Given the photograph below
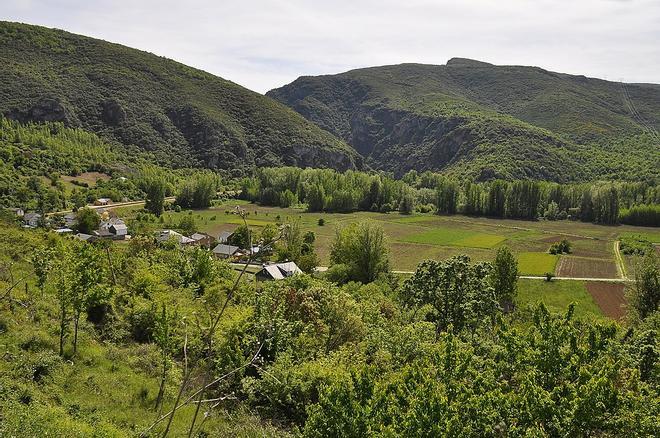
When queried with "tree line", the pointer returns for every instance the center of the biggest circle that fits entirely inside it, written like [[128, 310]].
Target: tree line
[[634, 203]]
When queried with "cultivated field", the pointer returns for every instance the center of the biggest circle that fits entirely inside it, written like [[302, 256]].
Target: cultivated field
[[609, 297], [571, 266], [557, 295]]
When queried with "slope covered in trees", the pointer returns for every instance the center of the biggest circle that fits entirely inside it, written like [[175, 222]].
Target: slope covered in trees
[[485, 121], [108, 340], [185, 117]]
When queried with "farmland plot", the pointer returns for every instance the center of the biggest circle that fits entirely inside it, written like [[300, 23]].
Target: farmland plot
[[582, 267], [609, 297]]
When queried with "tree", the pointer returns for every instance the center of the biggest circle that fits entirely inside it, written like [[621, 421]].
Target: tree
[[459, 292], [447, 196], [154, 188], [198, 192], [504, 278], [86, 277], [87, 220], [407, 201], [363, 248], [42, 262], [552, 211], [644, 295], [62, 290], [165, 325], [241, 237]]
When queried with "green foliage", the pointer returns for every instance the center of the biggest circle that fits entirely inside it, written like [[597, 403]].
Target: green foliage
[[362, 248], [460, 294], [634, 244], [241, 237], [87, 220], [644, 215], [563, 247], [504, 277], [199, 191], [644, 294]]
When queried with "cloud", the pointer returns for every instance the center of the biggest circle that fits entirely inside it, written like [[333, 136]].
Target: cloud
[[263, 44]]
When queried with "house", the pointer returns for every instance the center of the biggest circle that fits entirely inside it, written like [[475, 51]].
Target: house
[[63, 230], [113, 228], [277, 271], [203, 239], [85, 237], [69, 219], [31, 220], [17, 211], [224, 251], [102, 201], [225, 236], [119, 230], [166, 235]]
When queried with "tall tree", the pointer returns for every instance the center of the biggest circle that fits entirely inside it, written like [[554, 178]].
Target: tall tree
[[87, 220], [505, 278], [87, 275], [459, 292], [154, 188], [362, 248], [644, 294]]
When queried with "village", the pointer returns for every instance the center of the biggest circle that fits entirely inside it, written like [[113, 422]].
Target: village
[[111, 227]]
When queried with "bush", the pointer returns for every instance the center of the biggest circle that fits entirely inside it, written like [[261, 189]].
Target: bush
[[563, 247], [321, 222], [635, 245]]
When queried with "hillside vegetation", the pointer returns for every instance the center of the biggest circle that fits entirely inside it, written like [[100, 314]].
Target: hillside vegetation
[[184, 116], [485, 121]]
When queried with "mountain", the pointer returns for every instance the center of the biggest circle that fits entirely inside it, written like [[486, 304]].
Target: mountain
[[484, 121], [181, 116]]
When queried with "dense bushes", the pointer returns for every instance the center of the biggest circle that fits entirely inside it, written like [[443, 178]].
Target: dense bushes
[[644, 215]]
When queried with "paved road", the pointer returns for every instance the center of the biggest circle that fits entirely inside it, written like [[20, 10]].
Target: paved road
[[526, 277]]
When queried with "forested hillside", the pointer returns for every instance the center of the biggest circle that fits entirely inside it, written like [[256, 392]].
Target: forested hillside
[[184, 116], [486, 121]]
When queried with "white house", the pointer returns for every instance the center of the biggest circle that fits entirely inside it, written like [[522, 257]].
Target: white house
[[278, 271], [166, 235]]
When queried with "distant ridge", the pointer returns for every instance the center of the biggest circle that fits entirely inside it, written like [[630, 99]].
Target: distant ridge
[[183, 116], [483, 121]]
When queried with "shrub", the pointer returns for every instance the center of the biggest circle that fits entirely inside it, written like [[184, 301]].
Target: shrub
[[321, 222], [563, 247]]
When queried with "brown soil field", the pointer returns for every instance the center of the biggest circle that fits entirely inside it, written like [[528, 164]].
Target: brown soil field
[[609, 297], [586, 268]]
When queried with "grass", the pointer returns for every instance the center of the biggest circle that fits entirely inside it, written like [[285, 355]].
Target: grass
[[456, 237], [646, 234], [536, 263], [557, 295]]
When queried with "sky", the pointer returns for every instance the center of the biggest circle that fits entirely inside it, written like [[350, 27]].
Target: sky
[[264, 44]]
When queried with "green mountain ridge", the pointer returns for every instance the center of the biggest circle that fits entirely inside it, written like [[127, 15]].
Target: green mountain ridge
[[484, 121], [185, 117]]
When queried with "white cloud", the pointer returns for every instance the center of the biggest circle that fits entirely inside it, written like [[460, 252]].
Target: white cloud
[[263, 44]]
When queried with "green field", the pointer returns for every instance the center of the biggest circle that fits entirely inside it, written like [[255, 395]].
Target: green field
[[417, 237], [535, 263], [456, 237], [557, 295]]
